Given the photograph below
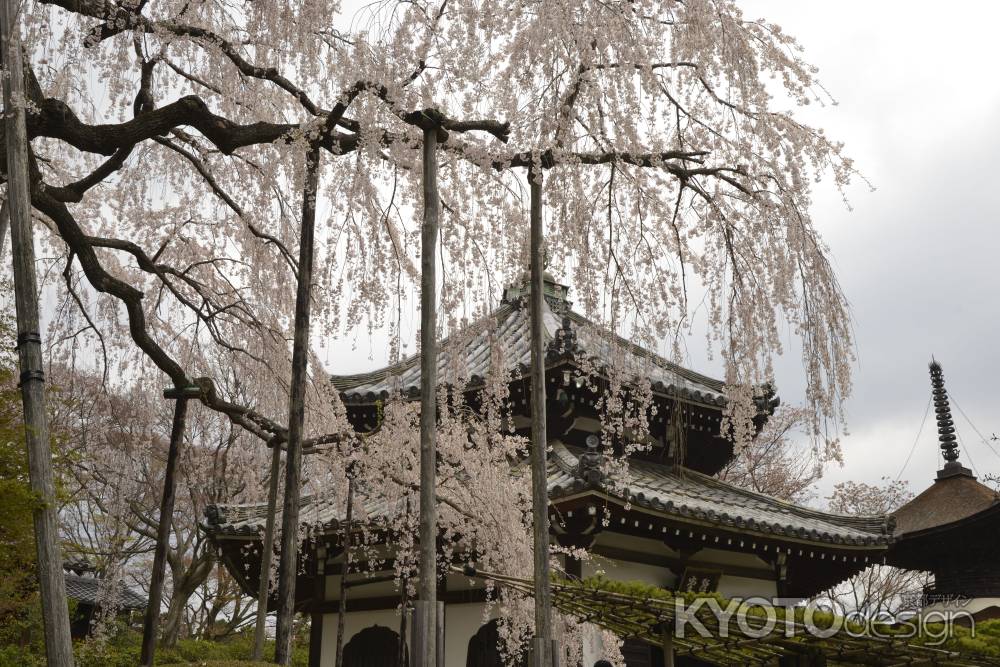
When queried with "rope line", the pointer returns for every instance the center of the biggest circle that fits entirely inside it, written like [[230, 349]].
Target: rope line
[[916, 440], [985, 441]]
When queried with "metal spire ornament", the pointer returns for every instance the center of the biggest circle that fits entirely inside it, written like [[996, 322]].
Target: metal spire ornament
[[946, 426]]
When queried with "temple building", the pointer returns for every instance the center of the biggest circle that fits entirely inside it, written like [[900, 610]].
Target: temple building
[[674, 525], [952, 529], [84, 589]]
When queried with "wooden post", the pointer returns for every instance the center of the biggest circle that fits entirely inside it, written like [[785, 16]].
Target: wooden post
[[51, 584], [425, 616], [288, 563], [4, 224], [316, 617], [342, 604], [404, 601], [539, 473], [266, 554], [401, 656], [150, 623], [668, 644], [439, 642]]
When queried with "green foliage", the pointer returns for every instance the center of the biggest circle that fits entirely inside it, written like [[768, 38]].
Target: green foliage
[[123, 651], [20, 615], [233, 651], [985, 641]]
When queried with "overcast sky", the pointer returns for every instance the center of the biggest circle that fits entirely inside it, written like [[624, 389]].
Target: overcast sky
[[918, 86]]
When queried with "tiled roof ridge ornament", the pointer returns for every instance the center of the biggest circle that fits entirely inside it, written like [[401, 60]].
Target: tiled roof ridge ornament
[[589, 462], [946, 425], [556, 294], [564, 342], [79, 566]]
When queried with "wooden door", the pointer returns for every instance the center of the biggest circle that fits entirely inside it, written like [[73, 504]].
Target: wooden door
[[377, 646]]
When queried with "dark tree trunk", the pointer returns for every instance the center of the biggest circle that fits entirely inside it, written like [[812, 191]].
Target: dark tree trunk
[[52, 585], [342, 603], [149, 626]]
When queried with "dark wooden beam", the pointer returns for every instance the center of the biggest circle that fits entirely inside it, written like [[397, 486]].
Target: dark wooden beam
[[387, 602]]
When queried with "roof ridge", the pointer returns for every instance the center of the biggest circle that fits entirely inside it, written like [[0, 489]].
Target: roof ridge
[[500, 320], [660, 360], [349, 381]]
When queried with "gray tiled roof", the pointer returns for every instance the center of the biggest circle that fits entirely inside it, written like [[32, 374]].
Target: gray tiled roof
[[249, 519], [508, 329], [693, 496], [85, 589], [688, 497]]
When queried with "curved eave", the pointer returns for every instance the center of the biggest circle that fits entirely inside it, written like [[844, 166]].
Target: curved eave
[[727, 524]]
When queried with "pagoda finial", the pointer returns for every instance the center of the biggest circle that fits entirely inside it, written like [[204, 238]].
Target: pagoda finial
[[946, 426]]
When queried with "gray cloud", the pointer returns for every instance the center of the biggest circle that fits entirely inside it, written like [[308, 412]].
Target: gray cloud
[[919, 258]]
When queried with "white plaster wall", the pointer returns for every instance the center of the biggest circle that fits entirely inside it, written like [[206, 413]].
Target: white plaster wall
[[745, 587], [723, 557], [633, 543], [593, 644], [625, 571], [358, 591], [461, 622]]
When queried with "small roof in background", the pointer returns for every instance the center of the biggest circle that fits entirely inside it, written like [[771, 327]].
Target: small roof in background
[[946, 501], [86, 589]]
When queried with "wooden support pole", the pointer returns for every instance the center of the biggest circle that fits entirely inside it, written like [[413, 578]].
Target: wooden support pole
[[342, 603], [667, 631], [266, 554], [440, 635], [403, 602], [316, 632], [4, 224], [539, 445], [288, 563], [150, 624], [425, 609], [51, 584]]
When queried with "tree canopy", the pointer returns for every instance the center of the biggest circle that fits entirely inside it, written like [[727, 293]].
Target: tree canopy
[[168, 158]]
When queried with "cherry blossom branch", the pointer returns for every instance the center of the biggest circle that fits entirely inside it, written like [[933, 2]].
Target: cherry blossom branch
[[213, 184], [116, 19], [131, 297]]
